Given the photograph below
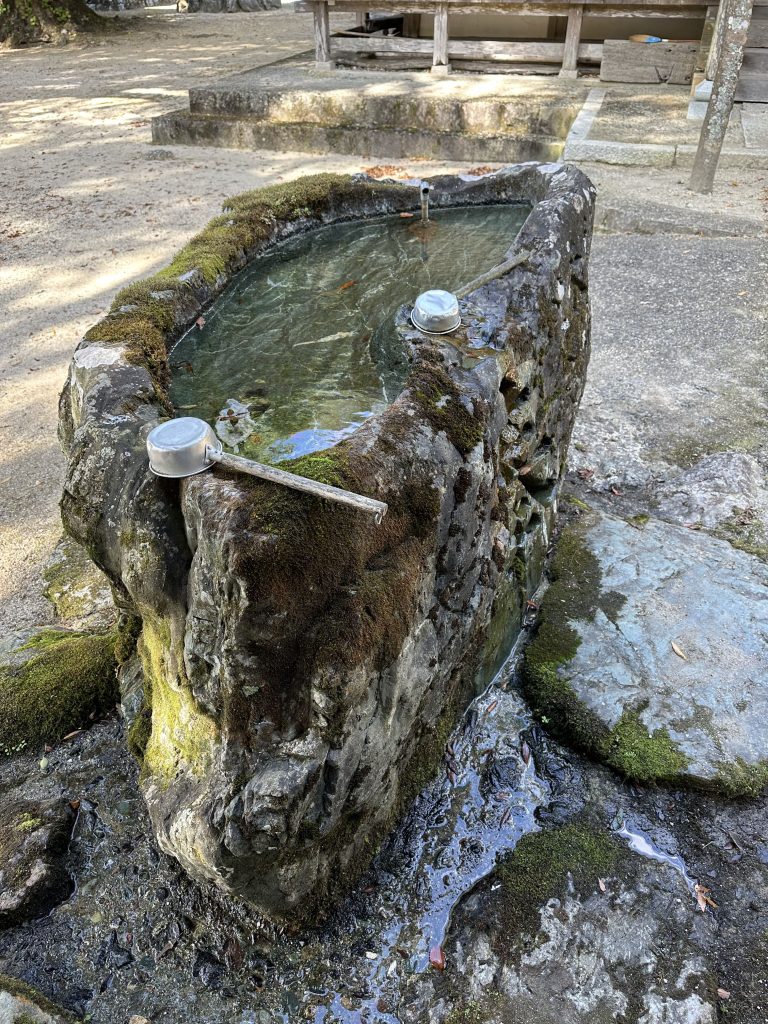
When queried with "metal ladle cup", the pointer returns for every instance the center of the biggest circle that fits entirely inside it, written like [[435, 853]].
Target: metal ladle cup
[[188, 445]]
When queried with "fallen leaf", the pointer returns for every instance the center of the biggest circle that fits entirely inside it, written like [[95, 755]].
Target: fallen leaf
[[679, 651], [585, 474], [723, 993], [347, 284], [200, 322], [407, 216], [75, 805], [525, 751], [703, 899], [616, 491], [437, 958], [71, 735], [532, 605], [524, 470], [491, 707], [601, 883]]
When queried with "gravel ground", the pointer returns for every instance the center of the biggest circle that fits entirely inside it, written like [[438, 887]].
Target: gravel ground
[[86, 208]]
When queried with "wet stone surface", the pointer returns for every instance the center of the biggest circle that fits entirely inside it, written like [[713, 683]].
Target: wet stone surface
[[33, 842], [676, 637]]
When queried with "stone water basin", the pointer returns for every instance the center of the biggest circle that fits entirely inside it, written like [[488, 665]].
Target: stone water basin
[[302, 347], [297, 669]]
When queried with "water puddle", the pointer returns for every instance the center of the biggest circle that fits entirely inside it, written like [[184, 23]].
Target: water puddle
[[641, 844], [301, 349]]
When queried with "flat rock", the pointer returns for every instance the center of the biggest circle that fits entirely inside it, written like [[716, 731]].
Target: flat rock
[[33, 840], [666, 657]]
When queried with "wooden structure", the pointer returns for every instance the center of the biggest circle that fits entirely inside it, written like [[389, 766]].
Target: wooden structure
[[361, 38], [752, 86]]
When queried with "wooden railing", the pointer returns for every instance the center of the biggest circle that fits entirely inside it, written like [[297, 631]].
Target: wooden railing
[[443, 49]]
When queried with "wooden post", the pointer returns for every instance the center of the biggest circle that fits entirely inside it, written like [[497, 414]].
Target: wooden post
[[736, 19], [572, 38], [440, 63], [322, 34]]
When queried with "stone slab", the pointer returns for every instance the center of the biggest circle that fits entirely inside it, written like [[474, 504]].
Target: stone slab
[[679, 638], [623, 153], [754, 122], [184, 128]]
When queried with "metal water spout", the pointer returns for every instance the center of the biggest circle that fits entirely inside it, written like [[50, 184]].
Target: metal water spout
[[425, 202]]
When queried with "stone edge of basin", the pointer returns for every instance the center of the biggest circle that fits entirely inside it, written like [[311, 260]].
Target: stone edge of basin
[[301, 667]]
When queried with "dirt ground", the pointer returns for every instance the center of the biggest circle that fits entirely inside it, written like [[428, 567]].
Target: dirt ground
[[85, 208]]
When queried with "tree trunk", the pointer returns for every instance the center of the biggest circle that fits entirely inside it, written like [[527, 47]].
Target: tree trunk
[[735, 18], [26, 22]]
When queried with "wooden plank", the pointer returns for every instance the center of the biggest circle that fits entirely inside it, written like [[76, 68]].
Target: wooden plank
[[351, 43], [758, 30], [440, 34], [755, 62], [752, 89], [464, 49], [322, 32], [572, 37], [612, 9], [670, 63]]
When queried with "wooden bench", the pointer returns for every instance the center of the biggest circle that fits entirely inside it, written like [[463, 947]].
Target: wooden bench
[[443, 49]]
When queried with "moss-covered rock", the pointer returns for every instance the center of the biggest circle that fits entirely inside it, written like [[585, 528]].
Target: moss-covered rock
[[52, 684], [22, 1004], [648, 650], [546, 865], [77, 589], [33, 842]]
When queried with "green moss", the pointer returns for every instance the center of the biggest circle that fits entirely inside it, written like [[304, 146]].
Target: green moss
[[576, 594], [128, 630], [475, 1011], [440, 400], [639, 520], [148, 315], [641, 755], [182, 736], [27, 823], [69, 677], [542, 867], [576, 502], [739, 779], [20, 989], [744, 530]]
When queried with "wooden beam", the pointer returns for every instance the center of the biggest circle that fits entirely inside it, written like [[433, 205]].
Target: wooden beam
[[465, 49], [538, 8], [736, 20], [572, 37], [322, 32], [440, 33]]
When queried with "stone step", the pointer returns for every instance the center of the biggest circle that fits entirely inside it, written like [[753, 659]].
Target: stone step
[[407, 109], [183, 127]]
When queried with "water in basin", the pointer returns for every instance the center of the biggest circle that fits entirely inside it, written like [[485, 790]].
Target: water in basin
[[284, 362]]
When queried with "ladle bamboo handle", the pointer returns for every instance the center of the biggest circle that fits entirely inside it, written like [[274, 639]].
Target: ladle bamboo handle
[[493, 273], [377, 509]]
